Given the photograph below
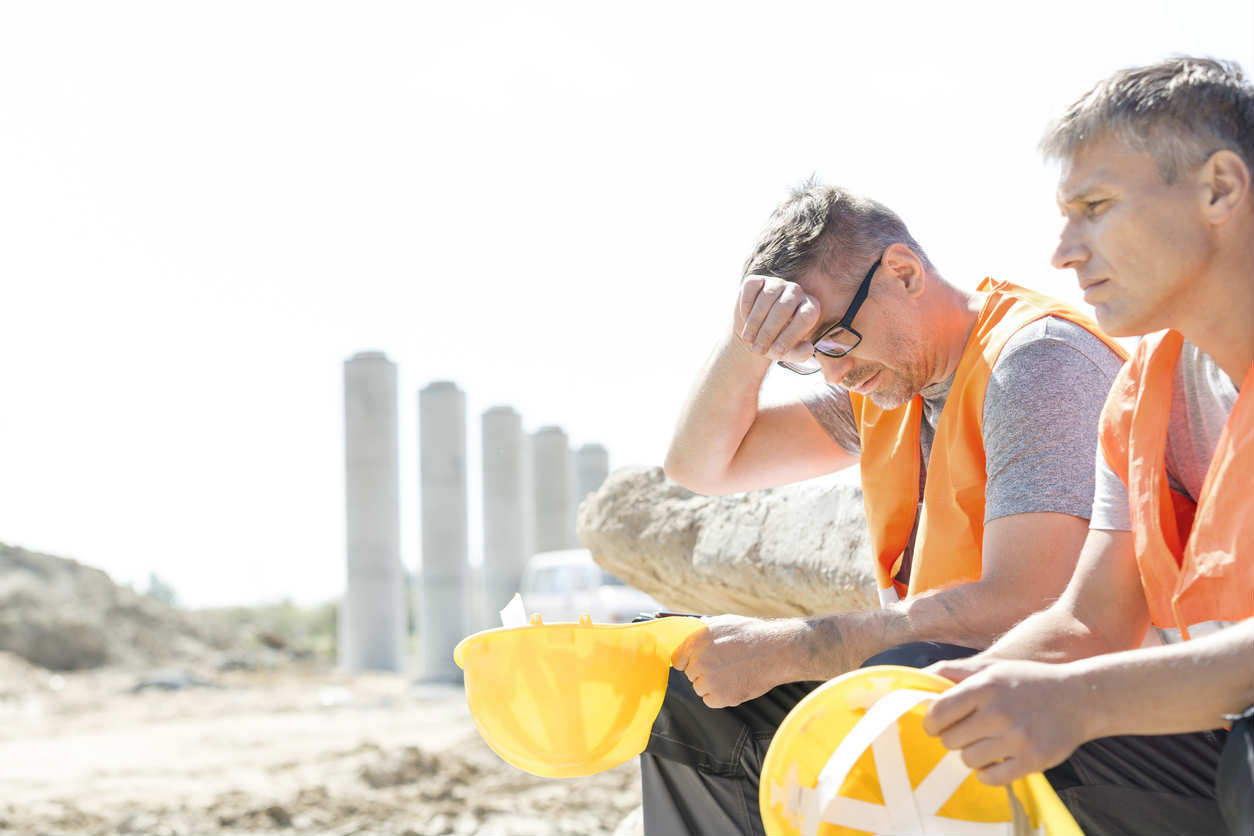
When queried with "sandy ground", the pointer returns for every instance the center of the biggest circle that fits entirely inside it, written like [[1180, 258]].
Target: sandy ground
[[290, 751]]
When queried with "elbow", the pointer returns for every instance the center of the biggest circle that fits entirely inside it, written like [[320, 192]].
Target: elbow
[[685, 474]]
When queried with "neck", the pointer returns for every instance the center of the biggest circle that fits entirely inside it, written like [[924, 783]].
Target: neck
[[1221, 321], [955, 315]]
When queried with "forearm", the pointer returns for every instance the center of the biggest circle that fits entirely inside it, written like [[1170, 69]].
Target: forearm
[[716, 418], [1053, 635], [970, 615], [1167, 690]]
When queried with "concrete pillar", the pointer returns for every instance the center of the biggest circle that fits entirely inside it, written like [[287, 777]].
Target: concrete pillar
[[372, 618], [444, 608], [592, 465], [554, 488], [506, 494]]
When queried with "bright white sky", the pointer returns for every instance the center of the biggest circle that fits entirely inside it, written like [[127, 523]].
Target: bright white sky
[[205, 208]]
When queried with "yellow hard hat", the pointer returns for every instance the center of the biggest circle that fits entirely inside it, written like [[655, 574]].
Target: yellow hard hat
[[569, 699], [852, 759]]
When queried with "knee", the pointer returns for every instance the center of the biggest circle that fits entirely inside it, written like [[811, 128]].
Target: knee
[[919, 654]]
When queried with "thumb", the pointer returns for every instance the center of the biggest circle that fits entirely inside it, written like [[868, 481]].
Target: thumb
[[690, 648], [954, 671], [799, 353]]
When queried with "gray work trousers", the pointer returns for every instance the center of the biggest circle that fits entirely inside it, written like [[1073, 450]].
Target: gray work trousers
[[701, 768]]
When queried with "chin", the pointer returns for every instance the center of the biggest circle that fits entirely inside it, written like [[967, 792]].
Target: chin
[[1123, 323], [890, 399]]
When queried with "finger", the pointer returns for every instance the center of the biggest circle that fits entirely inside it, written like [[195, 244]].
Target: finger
[[1001, 774], [791, 343], [778, 318], [762, 306], [713, 700], [976, 726], [953, 705], [690, 649], [951, 670], [749, 290], [986, 752]]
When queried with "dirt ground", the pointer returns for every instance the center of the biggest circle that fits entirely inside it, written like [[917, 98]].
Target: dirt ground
[[296, 750]]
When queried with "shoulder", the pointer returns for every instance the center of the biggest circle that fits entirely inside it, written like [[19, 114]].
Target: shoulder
[[1198, 379], [1050, 358], [1053, 340]]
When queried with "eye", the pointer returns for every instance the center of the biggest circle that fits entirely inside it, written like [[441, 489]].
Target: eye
[[1095, 207]]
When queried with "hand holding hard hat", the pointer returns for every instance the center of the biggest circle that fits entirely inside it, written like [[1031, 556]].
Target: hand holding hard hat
[[852, 758]]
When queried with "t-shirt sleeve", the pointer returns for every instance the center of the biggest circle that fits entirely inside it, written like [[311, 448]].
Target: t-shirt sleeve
[[1044, 397], [1110, 500], [831, 407]]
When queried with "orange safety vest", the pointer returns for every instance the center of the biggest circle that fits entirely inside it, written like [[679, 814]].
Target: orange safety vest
[[1196, 561], [949, 543]]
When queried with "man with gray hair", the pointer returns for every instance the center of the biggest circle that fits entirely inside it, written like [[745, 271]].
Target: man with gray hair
[[1128, 684], [972, 417]]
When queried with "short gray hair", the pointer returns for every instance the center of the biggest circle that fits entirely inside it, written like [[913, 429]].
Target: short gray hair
[[1179, 111], [828, 226]]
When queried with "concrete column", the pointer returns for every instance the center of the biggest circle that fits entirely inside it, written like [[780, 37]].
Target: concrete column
[[505, 510], [372, 618], [592, 465], [554, 489], [444, 609]]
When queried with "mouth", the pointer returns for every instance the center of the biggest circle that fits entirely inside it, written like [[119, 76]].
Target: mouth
[[1090, 286], [866, 385]]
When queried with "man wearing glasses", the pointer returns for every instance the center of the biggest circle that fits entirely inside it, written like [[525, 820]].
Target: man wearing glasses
[[973, 419]]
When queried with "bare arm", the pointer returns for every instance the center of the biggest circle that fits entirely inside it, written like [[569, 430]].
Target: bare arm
[[1027, 561], [1013, 717], [1101, 611], [1181, 687], [724, 442]]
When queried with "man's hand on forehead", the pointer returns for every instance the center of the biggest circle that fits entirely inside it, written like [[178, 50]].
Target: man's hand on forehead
[[775, 318]]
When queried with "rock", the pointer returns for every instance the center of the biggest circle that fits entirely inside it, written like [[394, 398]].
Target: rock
[[797, 550], [64, 616], [174, 679], [247, 660], [279, 815]]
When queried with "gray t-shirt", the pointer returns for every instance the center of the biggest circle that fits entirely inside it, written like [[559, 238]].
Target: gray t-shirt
[[1044, 396], [1202, 397]]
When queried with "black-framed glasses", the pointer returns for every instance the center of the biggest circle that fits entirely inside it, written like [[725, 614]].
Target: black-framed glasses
[[841, 338]]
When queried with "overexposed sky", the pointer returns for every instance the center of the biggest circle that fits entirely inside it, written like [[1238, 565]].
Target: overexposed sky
[[205, 208]]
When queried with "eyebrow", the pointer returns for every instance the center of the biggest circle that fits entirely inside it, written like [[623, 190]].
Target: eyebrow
[[823, 328], [1095, 184]]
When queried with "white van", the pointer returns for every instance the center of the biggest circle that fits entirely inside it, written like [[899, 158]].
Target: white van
[[563, 585]]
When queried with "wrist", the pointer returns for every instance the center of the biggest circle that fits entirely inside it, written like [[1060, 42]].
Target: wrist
[[742, 354]]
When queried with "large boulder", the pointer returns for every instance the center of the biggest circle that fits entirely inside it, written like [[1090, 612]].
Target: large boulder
[[796, 550]]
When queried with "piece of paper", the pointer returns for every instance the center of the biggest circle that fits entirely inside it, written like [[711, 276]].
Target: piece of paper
[[514, 614]]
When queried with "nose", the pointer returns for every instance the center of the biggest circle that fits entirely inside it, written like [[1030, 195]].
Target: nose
[[834, 368], [1071, 252]]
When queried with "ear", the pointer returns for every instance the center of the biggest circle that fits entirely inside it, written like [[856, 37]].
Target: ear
[[1225, 182], [906, 269]]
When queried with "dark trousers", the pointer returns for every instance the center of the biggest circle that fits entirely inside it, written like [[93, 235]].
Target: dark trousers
[[701, 768]]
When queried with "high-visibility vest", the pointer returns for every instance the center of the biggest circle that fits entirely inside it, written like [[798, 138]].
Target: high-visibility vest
[[949, 544], [1196, 561]]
